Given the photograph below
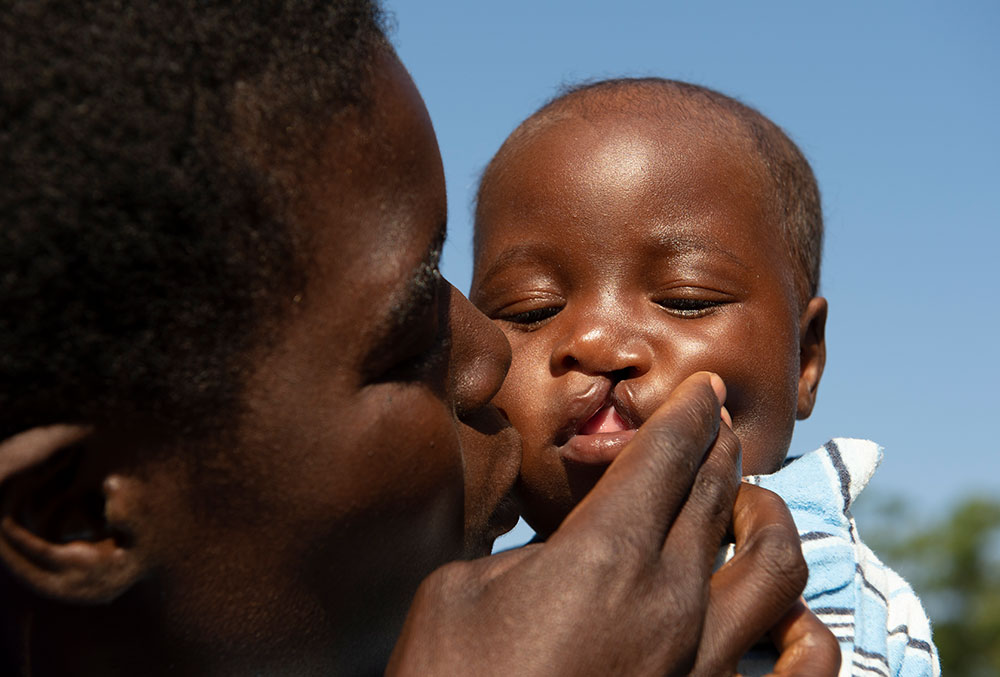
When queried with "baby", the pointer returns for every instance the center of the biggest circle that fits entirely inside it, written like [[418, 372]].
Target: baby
[[632, 232]]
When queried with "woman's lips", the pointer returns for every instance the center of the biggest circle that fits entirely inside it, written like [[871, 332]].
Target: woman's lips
[[600, 439]]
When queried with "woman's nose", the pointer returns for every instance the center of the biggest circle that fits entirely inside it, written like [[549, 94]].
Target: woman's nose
[[603, 343], [480, 355]]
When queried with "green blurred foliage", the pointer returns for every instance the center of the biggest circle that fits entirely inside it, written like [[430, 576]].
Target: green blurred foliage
[[953, 562]]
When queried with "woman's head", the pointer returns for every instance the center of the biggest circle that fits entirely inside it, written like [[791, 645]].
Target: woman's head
[[233, 412]]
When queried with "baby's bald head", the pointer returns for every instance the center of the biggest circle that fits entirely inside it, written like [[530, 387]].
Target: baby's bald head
[[794, 193]]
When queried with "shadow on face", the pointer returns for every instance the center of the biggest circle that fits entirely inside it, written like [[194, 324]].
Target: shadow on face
[[297, 546]]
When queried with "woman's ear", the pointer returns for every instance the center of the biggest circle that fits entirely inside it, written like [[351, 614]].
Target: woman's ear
[[812, 353], [59, 533]]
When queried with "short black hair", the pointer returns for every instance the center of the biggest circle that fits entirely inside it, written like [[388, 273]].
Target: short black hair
[[795, 190], [145, 251]]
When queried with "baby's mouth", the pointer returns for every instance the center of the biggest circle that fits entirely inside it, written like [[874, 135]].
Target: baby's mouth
[[600, 439], [606, 420]]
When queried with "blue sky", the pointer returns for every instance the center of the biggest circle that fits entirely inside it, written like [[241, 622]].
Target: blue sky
[[896, 105]]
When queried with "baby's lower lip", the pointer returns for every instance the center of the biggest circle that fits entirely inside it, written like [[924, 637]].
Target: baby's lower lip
[[597, 448]]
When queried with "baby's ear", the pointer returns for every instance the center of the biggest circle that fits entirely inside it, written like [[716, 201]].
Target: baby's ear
[[58, 536], [812, 353]]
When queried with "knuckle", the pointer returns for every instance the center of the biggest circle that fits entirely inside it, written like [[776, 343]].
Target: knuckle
[[602, 552], [713, 493], [783, 558], [612, 565], [728, 443], [717, 482], [445, 581], [717, 478]]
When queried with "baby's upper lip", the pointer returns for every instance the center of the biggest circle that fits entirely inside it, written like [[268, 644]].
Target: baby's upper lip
[[586, 403]]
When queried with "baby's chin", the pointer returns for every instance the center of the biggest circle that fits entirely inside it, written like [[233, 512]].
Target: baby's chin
[[552, 483], [547, 498]]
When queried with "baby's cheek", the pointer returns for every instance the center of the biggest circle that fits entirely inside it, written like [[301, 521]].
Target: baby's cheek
[[520, 409], [524, 395], [764, 434], [533, 401]]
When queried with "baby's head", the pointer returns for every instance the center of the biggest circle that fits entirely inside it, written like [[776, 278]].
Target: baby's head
[[628, 234]]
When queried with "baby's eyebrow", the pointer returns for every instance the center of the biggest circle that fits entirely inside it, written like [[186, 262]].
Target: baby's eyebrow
[[675, 244], [519, 253]]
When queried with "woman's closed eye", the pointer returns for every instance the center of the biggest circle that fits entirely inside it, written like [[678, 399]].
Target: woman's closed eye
[[415, 342]]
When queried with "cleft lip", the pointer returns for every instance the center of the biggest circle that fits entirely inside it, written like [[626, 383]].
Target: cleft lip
[[597, 448], [582, 407], [624, 401]]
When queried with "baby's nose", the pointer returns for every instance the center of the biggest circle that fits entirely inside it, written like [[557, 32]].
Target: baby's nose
[[611, 347]]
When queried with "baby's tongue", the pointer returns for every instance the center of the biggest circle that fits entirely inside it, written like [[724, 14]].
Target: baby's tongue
[[606, 420]]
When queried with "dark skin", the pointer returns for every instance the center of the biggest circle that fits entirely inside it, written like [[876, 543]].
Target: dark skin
[[345, 486], [295, 547], [632, 565], [614, 267], [620, 255]]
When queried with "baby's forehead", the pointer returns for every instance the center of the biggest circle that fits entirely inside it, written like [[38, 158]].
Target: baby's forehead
[[678, 155], [677, 129], [628, 148]]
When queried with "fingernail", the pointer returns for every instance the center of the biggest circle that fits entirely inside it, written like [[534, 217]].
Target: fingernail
[[726, 417], [719, 387]]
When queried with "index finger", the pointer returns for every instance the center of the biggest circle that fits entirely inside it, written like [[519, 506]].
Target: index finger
[[644, 488]]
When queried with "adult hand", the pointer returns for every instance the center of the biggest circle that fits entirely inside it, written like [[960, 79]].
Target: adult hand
[[623, 586], [807, 647], [752, 591]]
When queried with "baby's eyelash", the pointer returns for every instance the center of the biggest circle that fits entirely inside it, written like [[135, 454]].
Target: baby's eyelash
[[686, 307], [530, 318]]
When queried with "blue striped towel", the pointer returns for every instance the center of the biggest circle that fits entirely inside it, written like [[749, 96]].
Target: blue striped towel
[[875, 615]]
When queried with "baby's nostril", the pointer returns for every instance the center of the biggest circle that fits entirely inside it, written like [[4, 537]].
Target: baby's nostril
[[623, 374], [569, 362]]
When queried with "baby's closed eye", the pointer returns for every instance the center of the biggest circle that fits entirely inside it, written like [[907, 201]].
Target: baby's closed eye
[[689, 307], [528, 319]]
